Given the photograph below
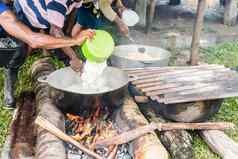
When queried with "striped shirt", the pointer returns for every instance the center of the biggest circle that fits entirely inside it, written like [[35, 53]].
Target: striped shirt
[[43, 13]]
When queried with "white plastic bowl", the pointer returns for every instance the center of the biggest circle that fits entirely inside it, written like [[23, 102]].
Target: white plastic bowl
[[130, 17]]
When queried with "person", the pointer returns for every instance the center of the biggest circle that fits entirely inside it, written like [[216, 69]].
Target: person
[[10, 26], [95, 14], [49, 15]]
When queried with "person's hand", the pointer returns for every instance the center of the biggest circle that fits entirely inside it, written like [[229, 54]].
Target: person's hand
[[121, 10], [76, 64], [123, 28], [84, 35]]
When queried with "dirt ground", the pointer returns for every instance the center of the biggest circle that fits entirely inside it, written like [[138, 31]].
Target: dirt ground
[[180, 20]]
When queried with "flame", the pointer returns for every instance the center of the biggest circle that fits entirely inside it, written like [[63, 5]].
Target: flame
[[89, 130]]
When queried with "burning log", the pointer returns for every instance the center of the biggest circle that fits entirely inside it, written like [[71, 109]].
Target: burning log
[[48, 146], [177, 142], [147, 146], [220, 143]]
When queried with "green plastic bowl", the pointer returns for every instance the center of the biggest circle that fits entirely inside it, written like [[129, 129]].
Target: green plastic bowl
[[100, 48]]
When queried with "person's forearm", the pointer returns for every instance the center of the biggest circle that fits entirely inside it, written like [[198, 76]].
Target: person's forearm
[[49, 42], [35, 40], [57, 32]]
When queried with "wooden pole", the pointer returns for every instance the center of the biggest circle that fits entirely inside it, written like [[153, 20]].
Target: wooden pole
[[141, 9], [230, 12], [197, 32]]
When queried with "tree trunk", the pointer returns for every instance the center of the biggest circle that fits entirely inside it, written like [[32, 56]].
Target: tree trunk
[[220, 143], [141, 9], [147, 146], [197, 32], [47, 146], [230, 12]]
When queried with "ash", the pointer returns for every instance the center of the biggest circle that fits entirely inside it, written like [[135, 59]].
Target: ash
[[7, 43], [123, 152]]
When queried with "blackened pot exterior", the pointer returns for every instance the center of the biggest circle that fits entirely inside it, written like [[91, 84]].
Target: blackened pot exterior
[[191, 112], [69, 102]]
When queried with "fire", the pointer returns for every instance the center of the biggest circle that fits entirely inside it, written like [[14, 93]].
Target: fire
[[89, 130]]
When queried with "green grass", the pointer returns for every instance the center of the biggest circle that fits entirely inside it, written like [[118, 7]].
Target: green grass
[[226, 54]]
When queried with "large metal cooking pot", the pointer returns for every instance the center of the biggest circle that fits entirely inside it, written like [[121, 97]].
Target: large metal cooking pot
[[77, 101], [122, 56]]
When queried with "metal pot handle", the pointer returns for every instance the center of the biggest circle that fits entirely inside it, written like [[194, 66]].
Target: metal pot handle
[[133, 78], [43, 79]]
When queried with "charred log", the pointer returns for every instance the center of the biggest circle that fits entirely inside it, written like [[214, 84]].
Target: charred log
[[147, 146], [47, 145], [23, 134], [177, 142]]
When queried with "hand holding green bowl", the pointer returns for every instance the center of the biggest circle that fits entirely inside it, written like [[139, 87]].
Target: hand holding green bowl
[[100, 48]]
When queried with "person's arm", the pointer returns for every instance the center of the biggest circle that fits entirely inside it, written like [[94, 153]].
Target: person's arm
[[120, 6], [75, 62], [106, 9], [110, 14], [36, 40]]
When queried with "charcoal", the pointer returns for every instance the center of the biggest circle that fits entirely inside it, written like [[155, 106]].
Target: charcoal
[[7, 43]]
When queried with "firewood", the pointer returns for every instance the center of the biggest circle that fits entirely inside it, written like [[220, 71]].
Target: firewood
[[138, 132], [48, 146], [220, 143], [147, 146], [177, 142]]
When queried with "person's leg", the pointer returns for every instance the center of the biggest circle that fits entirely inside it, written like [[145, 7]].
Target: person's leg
[[9, 86], [11, 71]]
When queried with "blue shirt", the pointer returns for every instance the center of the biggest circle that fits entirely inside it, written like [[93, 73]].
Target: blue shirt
[[3, 8]]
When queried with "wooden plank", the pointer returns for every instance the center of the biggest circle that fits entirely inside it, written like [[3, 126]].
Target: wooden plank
[[175, 90], [220, 85], [174, 77], [197, 32], [201, 97], [171, 68], [191, 80], [184, 74]]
